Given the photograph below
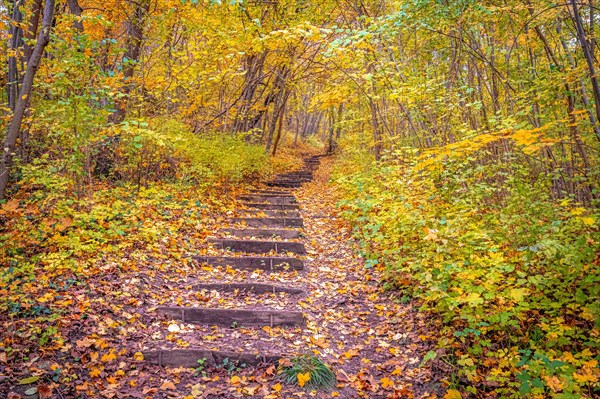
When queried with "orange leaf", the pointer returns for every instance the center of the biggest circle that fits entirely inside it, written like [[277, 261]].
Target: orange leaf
[[351, 353], [95, 372], [303, 378], [108, 357], [320, 342], [167, 385], [10, 206], [386, 383]]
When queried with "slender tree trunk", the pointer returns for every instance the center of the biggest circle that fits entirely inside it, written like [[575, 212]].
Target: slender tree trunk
[[24, 97], [280, 128], [16, 42], [32, 29], [589, 57], [76, 10], [135, 38]]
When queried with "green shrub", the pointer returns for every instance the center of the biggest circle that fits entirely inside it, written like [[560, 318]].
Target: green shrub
[[513, 274], [168, 148]]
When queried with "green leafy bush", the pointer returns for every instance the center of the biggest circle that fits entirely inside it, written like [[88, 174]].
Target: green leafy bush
[[168, 148], [513, 274]]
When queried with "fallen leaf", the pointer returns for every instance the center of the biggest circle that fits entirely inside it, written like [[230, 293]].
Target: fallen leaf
[[320, 342], [44, 391], [386, 383], [167, 385], [303, 378], [29, 380], [95, 372], [250, 390], [351, 353], [10, 206], [452, 394], [108, 357]]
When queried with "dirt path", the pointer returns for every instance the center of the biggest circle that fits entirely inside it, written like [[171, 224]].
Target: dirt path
[[371, 341]]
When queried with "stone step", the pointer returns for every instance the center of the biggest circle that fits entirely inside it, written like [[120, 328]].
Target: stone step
[[273, 214], [233, 317], [188, 358], [270, 263], [270, 199], [255, 288], [272, 207], [258, 247], [288, 234], [269, 222]]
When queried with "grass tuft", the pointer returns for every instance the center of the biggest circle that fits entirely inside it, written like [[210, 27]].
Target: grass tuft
[[320, 375]]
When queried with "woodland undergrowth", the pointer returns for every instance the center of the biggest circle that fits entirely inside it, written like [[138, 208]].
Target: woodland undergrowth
[[513, 272]]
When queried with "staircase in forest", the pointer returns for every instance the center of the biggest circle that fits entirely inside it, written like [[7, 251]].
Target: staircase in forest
[[267, 238]]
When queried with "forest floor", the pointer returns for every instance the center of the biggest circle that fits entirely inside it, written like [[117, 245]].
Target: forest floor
[[371, 340]]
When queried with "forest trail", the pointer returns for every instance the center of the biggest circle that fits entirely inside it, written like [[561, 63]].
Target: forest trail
[[266, 289], [215, 306]]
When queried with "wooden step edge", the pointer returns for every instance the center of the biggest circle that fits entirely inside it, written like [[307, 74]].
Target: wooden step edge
[[234, 317], [263, 233], [255, 288], [271, 207], [214, 240], [269, 222], [278, 213], [189, 358], [257, 246], [266, 263], [285, 196]]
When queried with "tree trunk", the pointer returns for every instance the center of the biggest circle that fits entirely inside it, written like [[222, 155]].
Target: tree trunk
[[75, 9], [16, 42], [280, 128], [589, 58], [135, 38], [32, 29], [24, 96]]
